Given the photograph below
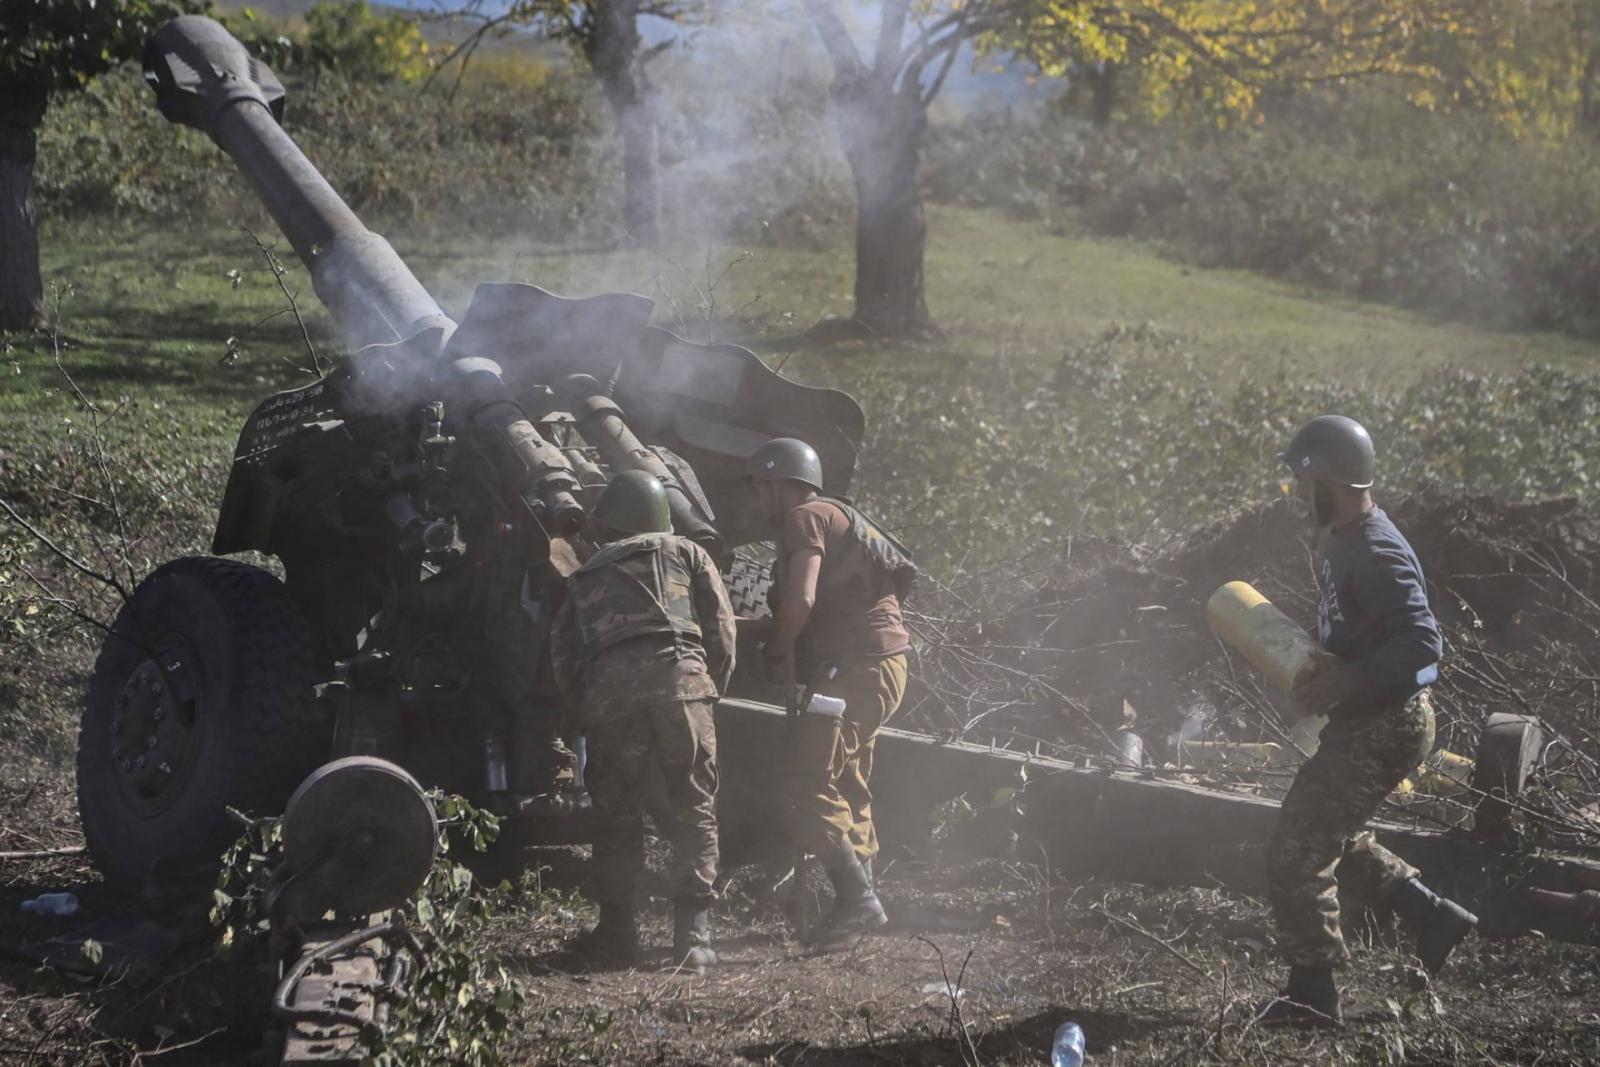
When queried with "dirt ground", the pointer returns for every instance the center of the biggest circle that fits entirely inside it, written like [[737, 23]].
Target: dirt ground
[[981, 963], [984, 958]]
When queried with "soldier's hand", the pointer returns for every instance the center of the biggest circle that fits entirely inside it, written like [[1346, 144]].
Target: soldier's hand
[[777, 666], [1323, 692]]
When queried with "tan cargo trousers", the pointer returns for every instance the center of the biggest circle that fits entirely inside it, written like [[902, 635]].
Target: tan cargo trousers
[[828, 770]]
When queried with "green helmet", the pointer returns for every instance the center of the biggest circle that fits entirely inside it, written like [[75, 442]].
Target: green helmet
[[1332, 448], [786, 458], [634, 502]]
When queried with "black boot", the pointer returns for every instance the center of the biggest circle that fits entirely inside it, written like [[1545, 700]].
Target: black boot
[[691, 936], [856, 908], [1440, 923], [1310, 999], [866, 865], [614, 941]]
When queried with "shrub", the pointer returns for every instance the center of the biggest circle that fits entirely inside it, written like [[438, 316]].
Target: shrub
[[976, 462], [364, 45], [1444, 213], [525, 148], [523, 159]]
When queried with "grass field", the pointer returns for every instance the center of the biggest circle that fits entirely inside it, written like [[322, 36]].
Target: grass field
[[151, 312]]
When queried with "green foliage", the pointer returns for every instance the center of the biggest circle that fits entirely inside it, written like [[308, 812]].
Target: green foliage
[[364, 45], [53, 45], [1218, 60], [458, 1006], [521, 159], [346, 36]]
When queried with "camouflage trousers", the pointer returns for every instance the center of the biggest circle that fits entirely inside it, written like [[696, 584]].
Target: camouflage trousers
[[676, 740], [1361, 759], [828, 768]]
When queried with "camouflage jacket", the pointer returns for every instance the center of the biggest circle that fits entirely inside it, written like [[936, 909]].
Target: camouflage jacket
[[647, 618]]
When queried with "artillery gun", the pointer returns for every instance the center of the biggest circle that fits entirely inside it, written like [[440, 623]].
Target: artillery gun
[[425, 500]]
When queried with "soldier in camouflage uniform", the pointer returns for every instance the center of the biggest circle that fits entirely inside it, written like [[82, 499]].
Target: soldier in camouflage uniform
[[642, 648], [1373, 614]]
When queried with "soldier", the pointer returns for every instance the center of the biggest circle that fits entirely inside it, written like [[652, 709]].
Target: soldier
[[642, 648], [1373, 614], [837, 629]]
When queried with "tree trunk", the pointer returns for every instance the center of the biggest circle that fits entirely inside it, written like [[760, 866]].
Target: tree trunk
[[1102, 79], [613, 48], [641, 197], [882, 134], [1588, 107], [21, 288]]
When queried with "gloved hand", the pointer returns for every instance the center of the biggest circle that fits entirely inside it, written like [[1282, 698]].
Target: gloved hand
[[1323, 692]]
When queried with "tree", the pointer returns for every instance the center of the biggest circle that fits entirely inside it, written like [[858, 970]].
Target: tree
[[606, 33], [1205, 53], [880, 110], [48, 47], [1533, 68], [364, 44]]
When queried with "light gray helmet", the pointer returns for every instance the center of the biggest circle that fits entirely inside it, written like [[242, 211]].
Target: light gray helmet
[[1332, 448], [786, 459]]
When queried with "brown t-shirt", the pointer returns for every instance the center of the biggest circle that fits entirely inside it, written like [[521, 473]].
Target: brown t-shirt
[[856, 613]]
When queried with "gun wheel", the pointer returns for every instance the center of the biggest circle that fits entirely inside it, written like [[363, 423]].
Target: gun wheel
[[201, 701]]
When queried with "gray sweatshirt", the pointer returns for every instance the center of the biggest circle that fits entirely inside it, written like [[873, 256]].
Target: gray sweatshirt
[[1373, 611]]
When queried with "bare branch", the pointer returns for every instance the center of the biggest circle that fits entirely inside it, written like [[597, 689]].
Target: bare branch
[[62, 554], [43, 853], [938, 79], [470, 44], [278, 272], [1128, 924], [957, 31], [891, 28], [655, 50], [69, 606]]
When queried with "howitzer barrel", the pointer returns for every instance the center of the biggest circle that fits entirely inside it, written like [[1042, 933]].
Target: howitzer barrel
[[602, 424], [203, 77]]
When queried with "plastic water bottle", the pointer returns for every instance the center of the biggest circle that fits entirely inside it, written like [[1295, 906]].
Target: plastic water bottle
[[1067, 1049], [52, 904], [1130, 749]]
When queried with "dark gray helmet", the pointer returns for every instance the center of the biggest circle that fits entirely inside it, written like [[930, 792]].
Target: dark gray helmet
[[1332, 448], [786, 458], [634, 502]]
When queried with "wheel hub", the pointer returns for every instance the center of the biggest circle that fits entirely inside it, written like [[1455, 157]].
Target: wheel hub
[[359, 836], [153, 728]]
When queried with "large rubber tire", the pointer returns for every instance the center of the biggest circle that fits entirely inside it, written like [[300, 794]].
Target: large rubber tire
[[749, 580], [205, 683]]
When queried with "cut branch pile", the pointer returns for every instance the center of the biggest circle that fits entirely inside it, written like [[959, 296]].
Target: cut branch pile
[[1098, 635]]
